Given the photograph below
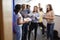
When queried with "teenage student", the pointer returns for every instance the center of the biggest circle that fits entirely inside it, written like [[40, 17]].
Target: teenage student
[[19, 22], [34, 23], [28, 8], [41, 20], [50, 21], [24, 13]]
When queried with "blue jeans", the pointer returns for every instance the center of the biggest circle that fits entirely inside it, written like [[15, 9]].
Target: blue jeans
[[50, 27], [25, 30], [18, 32]]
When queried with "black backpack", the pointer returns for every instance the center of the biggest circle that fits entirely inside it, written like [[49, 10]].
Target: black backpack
[[55, 35]]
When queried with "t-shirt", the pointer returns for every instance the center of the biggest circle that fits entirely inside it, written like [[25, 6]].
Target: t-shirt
[[28, 11], [24, 13], [21, 18], [41, 16], [29, 17], [35, 17]]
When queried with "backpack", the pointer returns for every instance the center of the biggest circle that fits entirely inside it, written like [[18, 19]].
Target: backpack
[[55, 35]]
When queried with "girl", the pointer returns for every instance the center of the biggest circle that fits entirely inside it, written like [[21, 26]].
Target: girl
[[19, 22], [41, 20], [25, 25], [34, 23], [50, 21]]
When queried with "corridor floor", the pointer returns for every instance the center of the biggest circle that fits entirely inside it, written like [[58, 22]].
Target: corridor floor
[[39, 35]]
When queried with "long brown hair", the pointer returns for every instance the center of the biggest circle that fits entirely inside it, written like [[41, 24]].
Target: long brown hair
[[50, 8], [36, 9], [23, 6]]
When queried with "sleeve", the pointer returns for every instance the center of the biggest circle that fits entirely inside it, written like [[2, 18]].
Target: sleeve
[[30, 14], [52, 14], [43, 14], [28, 11], [38, 16], [19, 15]]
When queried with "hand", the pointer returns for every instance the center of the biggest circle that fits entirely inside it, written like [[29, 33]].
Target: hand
[[39, 4], [26, 21]]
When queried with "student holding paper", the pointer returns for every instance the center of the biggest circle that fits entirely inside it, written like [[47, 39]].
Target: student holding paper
[[19, 22], [34, 23], [50, 21]]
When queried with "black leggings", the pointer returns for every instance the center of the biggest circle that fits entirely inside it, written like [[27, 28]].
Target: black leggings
[[43, 27], [31, 27]]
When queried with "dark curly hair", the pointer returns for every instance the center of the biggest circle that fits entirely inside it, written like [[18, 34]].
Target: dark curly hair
[[17, 8]]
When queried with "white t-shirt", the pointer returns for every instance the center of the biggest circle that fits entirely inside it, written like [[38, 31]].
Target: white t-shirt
[[20, 16]]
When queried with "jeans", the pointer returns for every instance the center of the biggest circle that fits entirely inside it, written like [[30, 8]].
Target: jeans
[[50, 27], [25, 30], [18, 32]]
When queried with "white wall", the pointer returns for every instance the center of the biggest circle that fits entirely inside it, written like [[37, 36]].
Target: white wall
[[55, 4]]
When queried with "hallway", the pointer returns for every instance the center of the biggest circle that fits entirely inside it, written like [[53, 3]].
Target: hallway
[[39, 35]]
